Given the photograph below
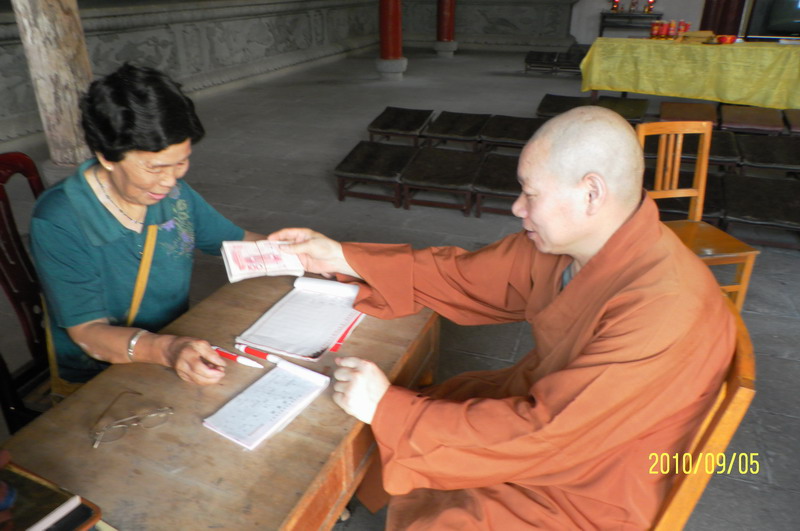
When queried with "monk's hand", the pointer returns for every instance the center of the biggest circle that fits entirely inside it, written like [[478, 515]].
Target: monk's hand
[[359, 386], [195, 361], [317, 252]]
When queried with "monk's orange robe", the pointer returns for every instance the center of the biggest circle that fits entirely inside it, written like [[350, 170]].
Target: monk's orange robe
[[628, 358]]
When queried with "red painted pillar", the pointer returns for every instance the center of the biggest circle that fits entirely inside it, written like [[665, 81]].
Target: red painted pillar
[[391, 64], [391, 30], [446, 20], [445, 28]]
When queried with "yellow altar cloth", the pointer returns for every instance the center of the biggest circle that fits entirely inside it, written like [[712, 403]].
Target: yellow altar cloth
[[748, 73]]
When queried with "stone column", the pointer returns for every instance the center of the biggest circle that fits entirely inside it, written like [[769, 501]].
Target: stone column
[[445, 43], [391, 64], [52, 36]]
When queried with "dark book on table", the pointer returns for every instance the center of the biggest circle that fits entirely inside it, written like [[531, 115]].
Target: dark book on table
[[39, 505]]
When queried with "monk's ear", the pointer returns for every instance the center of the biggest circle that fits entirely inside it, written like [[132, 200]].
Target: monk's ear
[[596, 192]]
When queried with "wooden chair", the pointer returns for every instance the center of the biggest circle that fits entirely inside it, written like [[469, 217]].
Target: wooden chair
[[712, 245], [22, 288], [716, 431]]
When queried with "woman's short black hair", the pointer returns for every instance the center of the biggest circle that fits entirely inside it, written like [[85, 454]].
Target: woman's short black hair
[[137, 108]]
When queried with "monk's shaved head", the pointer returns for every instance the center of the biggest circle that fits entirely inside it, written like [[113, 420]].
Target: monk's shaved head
[[592, 139]]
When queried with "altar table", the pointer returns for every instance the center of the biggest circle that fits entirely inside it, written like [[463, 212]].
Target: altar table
[[748, 73]]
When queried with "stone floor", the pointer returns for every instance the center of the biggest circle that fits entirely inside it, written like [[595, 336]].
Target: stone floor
[[267, 161]]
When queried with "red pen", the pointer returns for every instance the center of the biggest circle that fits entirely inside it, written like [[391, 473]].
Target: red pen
[[258, 353], [238, 359]]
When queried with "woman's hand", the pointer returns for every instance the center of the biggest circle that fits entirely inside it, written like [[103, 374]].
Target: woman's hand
[[195, 361], [360, 386], [317, 252]]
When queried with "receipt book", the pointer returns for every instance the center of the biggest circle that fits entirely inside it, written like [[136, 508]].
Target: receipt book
[[267, 405], [316, 316]]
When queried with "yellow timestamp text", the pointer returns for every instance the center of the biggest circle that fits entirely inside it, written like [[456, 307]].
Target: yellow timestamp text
[[704, 463]]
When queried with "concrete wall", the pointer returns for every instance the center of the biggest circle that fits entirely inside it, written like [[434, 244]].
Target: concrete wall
[[214, 43], [224, 42]]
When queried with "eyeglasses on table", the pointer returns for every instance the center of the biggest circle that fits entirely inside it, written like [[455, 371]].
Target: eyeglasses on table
[[114, 431]]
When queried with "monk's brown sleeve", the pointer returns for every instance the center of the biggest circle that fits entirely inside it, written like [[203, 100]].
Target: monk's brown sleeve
[[646, 371], [481, 287]]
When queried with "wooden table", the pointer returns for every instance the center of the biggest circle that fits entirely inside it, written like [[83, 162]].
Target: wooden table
[[747, 73], [181, 475]]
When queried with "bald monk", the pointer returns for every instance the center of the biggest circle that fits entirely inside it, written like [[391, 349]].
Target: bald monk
[[632, 337]]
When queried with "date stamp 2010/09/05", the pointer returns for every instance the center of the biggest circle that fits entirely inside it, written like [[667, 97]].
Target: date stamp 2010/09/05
[[704, 463]]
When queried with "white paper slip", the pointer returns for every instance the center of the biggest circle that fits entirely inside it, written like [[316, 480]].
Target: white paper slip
[[256, 259], [315, 316], [268, 405]]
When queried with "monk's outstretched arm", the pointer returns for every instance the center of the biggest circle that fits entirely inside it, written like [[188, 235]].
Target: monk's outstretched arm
[[480, 287]]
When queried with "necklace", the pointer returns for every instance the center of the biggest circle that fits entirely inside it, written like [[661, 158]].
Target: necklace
[[105, 193]]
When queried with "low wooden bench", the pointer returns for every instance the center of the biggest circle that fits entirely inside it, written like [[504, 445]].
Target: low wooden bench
[[632, 109], [746, 119], [496, 179], [440, 170], [374, 163], [554, 104], [508, 131], [768, 189], [399, 121], [678, 111], [457, 127]]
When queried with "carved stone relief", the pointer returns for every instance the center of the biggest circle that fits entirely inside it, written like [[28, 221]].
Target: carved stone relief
[[234, 40], [525, 23]]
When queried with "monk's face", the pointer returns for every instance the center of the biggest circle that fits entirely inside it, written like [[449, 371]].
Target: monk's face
[[550, 209]]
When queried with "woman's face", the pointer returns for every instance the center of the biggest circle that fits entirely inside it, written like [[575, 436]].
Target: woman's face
[[146, 177]]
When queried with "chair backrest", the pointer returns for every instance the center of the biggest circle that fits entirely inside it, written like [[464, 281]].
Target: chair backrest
[[716, 431], [21, 285], [670, 156]]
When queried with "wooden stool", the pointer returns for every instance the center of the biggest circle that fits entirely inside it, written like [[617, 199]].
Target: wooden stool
[[541, 61], [776, 153], [555, 104], [441, 170], [374, 163], [632, 109], [676, 111], [744, 119], [509, 131], [497, 178], [770, 200], [456, 126], [570, 61], [792, 120], [397, 121], [768, 191]]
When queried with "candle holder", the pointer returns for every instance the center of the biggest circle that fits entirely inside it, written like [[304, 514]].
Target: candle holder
[[649, 7], [614, 6], [633, 5]]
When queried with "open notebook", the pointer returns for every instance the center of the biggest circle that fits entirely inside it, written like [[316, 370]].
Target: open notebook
[[268, 405], [316, 316]]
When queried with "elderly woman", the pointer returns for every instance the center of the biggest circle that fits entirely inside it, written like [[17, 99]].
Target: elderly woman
[[88, 233]]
